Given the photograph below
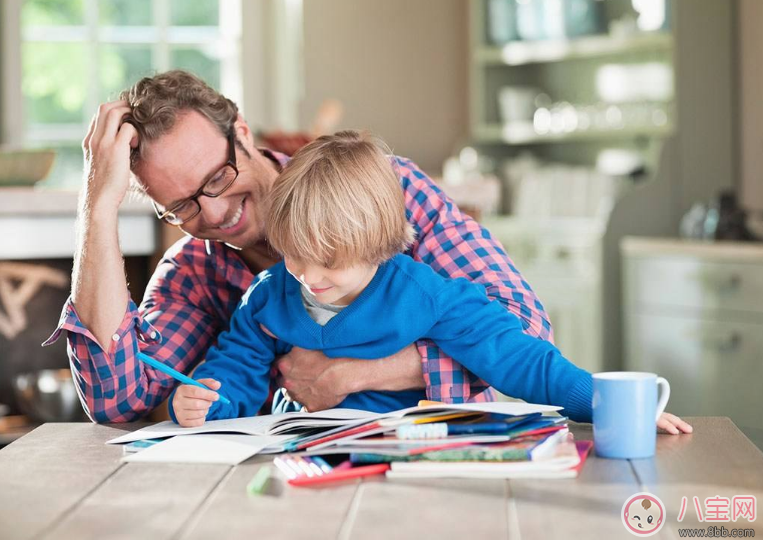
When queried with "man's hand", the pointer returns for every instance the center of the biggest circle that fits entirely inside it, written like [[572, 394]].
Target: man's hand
[[318, 382], [312, 379], [191, 403], [107, 149]]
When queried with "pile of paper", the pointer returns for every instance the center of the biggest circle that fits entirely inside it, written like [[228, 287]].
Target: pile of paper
[[487, 440]]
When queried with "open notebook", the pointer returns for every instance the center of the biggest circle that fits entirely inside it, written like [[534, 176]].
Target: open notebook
[[296, 422]]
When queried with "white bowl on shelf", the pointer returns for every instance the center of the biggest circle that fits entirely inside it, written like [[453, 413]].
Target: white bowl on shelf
[[25, 167], [517, 103]]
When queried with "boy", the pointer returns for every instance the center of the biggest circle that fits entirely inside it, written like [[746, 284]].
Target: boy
[[337, 216]]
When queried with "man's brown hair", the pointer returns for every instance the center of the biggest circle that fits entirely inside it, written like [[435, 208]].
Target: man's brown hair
[[157, 101]]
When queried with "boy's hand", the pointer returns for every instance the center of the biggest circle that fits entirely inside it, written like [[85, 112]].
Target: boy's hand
[[191, 403], [672, 424]]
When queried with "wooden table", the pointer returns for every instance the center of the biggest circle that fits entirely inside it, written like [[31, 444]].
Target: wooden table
[[61, 481]]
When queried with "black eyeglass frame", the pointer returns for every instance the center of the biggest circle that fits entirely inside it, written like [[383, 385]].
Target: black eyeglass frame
[[163, 215]]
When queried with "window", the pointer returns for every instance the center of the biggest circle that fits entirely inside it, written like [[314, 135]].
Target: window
[[74, 54]]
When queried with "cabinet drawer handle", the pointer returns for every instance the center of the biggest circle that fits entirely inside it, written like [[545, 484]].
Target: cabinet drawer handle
[[720, 282]]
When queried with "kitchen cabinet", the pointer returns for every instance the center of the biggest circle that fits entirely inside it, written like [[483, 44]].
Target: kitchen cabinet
[[694, 315]]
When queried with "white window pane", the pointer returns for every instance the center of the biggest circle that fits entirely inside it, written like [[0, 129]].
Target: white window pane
[[196, 13], [52, 13], [125, 12], [54, 82], [202, 62], [120, 66]]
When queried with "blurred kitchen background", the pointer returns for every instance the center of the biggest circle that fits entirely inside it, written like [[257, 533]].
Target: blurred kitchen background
[[615, 147]]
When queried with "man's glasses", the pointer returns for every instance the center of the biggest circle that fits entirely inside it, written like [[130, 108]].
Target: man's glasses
[[218, 183]]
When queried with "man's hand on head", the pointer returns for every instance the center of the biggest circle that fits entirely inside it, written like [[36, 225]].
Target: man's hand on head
[[107, 148]]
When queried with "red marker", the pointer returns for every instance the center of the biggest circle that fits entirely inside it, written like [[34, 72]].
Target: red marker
[[335, 475]]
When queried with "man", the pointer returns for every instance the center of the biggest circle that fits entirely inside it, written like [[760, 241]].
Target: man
[[194, 156]]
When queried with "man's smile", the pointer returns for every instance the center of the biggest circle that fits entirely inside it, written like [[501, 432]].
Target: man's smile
[[235, 222]]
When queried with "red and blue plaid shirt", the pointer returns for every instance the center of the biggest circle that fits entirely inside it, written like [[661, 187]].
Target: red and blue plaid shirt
[[198, 284]]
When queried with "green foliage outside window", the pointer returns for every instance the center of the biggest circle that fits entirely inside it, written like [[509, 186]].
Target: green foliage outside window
[[57, 76]]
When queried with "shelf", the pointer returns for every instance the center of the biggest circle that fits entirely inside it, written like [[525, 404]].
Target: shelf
[[506, 134], [520, 53]]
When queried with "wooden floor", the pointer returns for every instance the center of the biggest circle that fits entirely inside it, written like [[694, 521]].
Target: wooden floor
[[61, 482]]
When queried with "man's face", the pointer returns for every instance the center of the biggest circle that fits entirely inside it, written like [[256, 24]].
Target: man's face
[[177, 164]]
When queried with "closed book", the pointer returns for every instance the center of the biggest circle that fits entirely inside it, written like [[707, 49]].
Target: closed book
[[520, 450], [564, 462]]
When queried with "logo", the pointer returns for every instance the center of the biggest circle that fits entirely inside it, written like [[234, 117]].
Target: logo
[[643, 514]]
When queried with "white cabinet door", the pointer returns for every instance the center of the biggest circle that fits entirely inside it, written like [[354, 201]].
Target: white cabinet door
[[714, 367]]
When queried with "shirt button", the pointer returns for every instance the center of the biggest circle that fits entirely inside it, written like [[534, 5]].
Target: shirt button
[[115, 337], [154, 334]]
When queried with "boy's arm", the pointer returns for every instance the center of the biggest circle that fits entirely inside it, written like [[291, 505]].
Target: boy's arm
[[489, 342], [240, 361], [174, 324], [455, 245]]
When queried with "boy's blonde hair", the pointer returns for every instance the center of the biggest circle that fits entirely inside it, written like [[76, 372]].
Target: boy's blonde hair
[[339, 203]]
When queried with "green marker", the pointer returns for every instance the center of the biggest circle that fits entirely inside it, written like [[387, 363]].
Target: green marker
[[259, 483]]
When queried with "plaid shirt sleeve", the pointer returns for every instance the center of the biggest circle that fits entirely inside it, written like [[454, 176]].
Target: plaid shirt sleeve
[[455, 245], [113, 385]]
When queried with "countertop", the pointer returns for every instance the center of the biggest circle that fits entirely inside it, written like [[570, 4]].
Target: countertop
[[720, 250], [39, 223], [29, 201]]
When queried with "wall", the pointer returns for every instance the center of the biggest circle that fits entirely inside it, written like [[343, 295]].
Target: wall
[[2, 64], [399, 67], [750, 20], [697, 162]]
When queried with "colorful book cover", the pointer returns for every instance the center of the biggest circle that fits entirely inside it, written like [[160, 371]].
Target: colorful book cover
[[519, 450]]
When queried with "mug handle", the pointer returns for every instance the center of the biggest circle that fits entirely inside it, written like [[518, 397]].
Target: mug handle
[[664, 397]]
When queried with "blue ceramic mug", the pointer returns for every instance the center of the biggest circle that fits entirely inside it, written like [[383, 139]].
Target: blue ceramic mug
[[625, 413]]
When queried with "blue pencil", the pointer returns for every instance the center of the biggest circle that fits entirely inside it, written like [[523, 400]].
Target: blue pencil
[[164, 368]]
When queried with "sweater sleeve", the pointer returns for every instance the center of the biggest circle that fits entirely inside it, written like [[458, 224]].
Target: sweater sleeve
[[240, 361], [175, 324], [490, 342]]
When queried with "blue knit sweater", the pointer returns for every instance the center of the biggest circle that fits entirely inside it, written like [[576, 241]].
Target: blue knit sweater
[[404, 302]]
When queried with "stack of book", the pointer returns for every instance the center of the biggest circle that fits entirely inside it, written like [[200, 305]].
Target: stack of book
[[497, 440], [484, 440]]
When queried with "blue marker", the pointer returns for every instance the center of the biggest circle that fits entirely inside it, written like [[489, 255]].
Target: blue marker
[[164, 368]]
